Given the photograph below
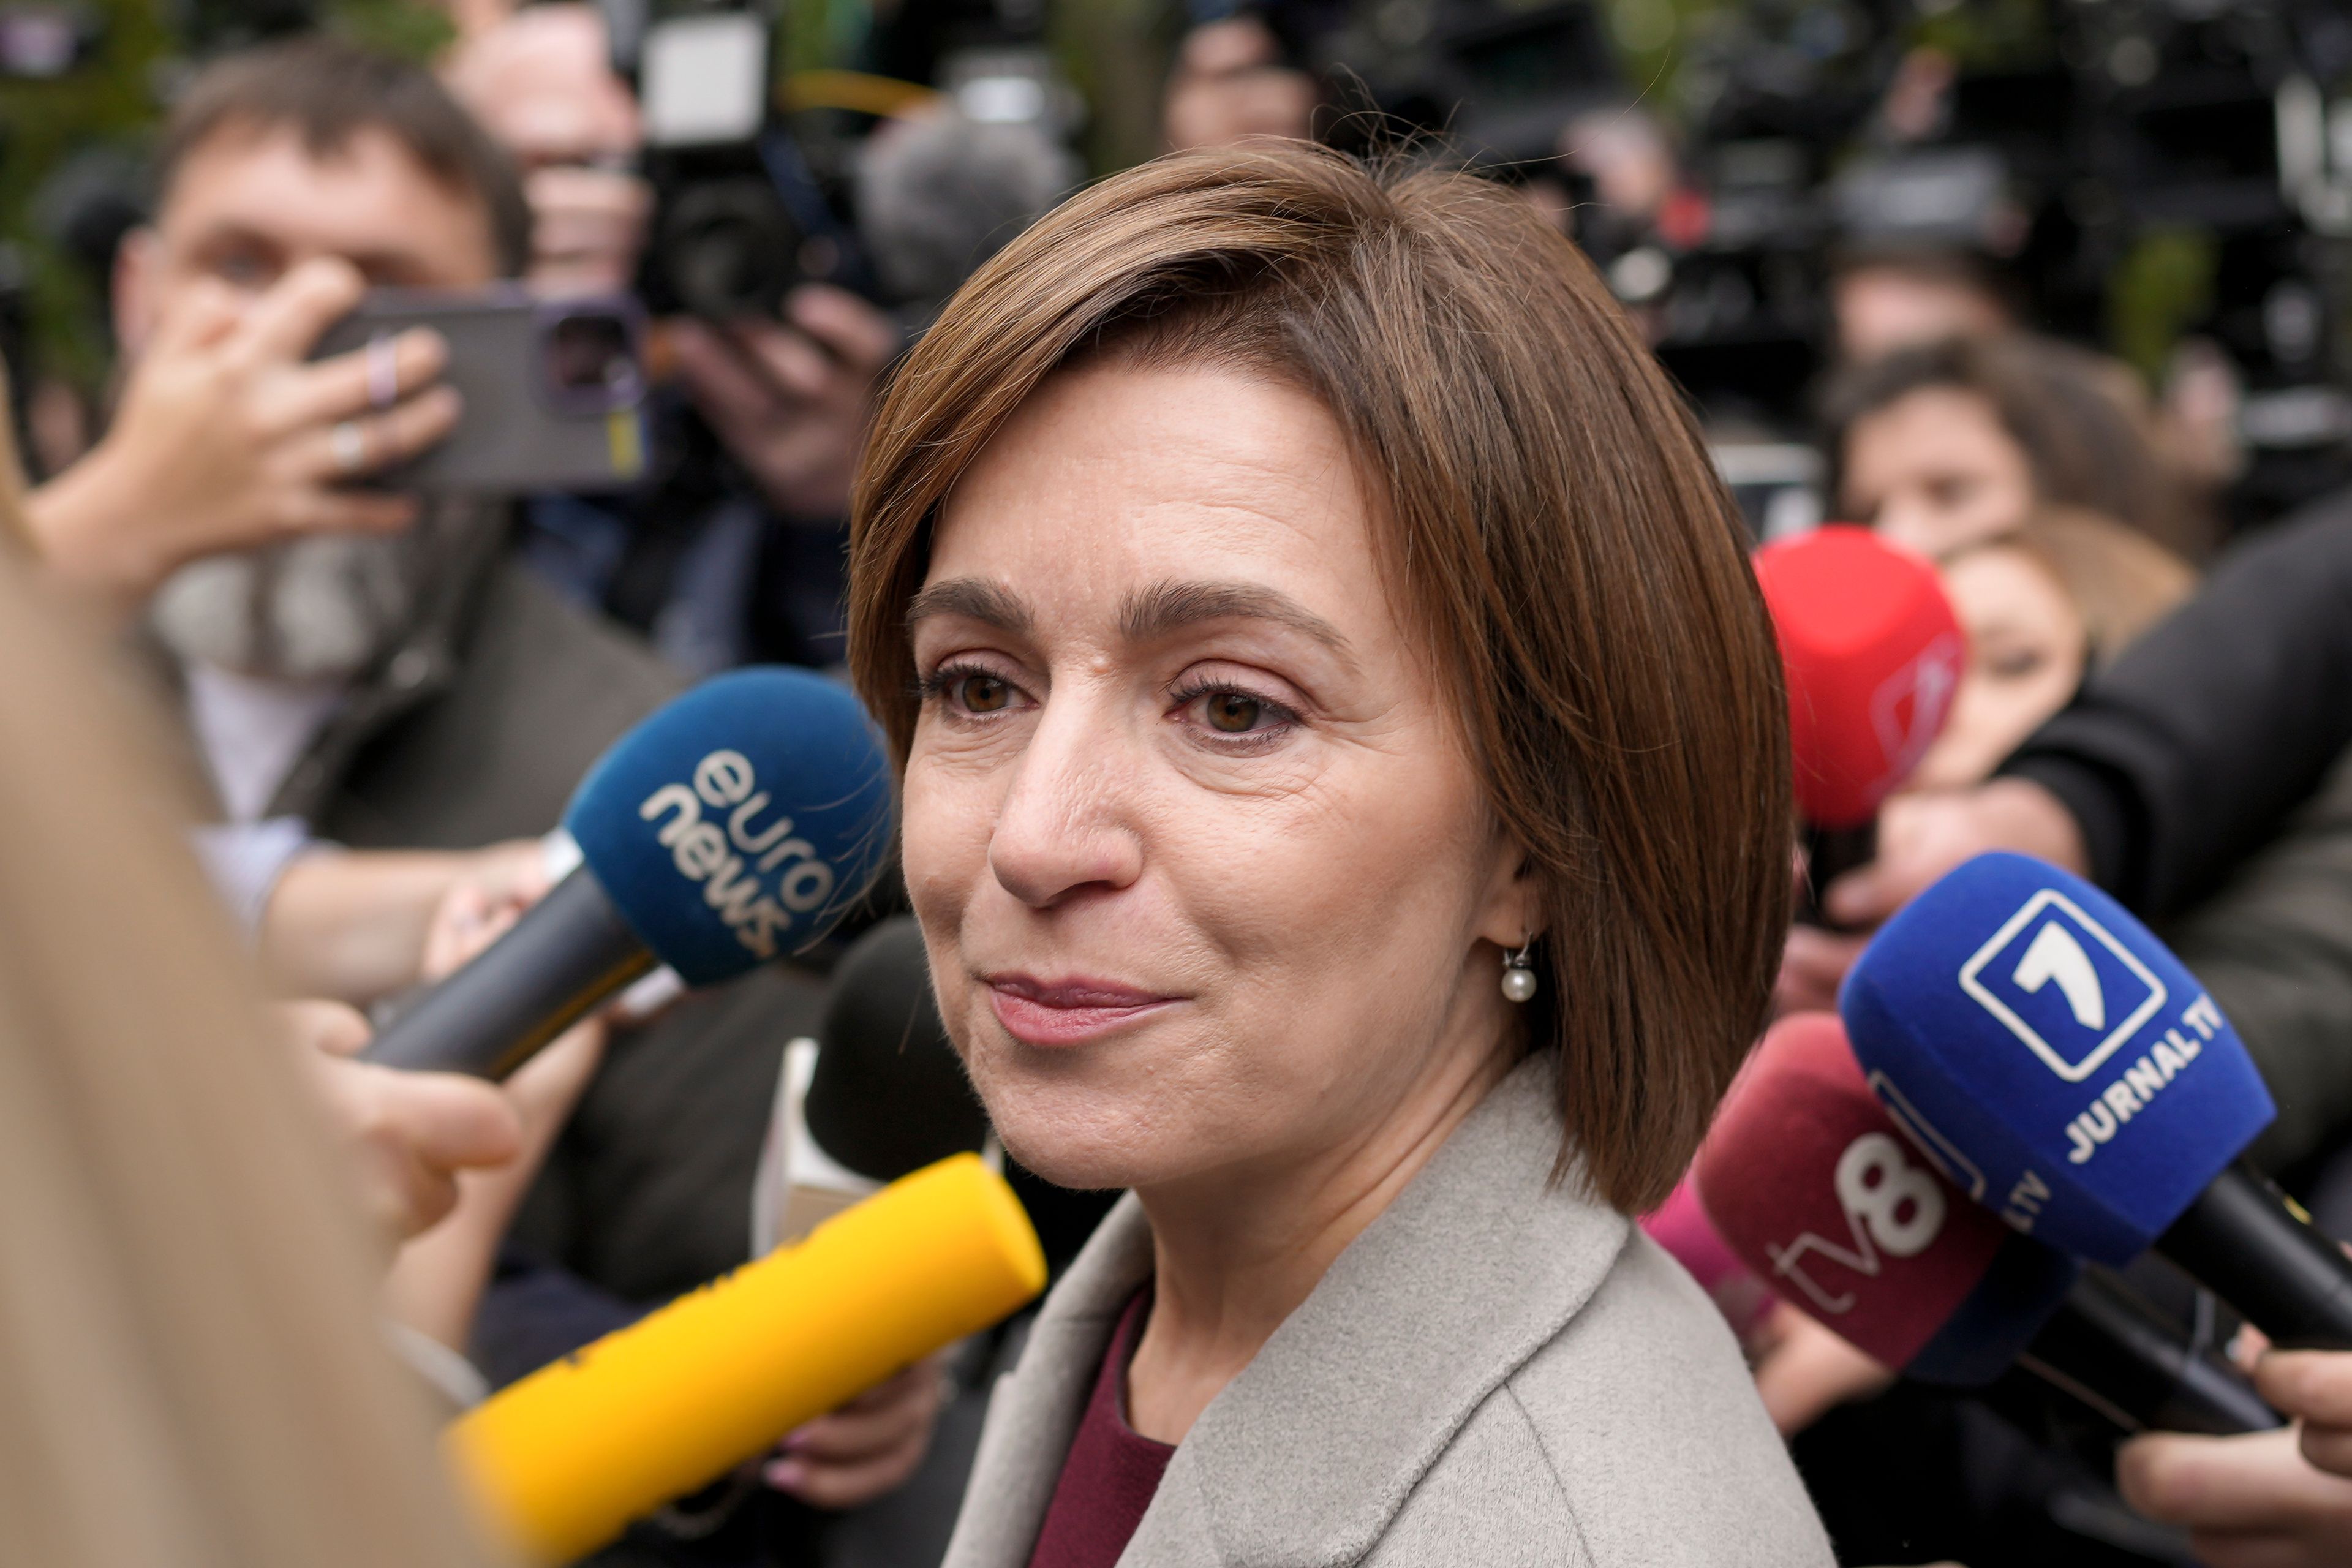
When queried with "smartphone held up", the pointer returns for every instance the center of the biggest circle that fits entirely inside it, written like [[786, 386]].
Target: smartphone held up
[[553, 389]]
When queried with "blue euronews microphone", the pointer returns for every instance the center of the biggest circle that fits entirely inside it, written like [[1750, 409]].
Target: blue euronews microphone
[[2080, 1081], [733, 825]]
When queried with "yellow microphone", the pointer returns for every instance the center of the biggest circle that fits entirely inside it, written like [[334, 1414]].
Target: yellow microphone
[[562, 1461]]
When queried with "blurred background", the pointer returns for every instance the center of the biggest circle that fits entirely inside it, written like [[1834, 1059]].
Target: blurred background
[[1772, 187]]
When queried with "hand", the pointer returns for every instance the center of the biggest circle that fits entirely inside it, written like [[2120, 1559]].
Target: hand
[[437, 1283], [1804, 1371], [2313, 1387], [1925, 834], [356, 924], [790, 400], [227, 438], [2247, 1502], [2270, 1500], [588, 226], [409, 1133], [1812, 966], [868, 1446]]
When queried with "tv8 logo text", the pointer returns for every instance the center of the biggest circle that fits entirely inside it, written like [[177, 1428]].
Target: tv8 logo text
[[1892, 1208]]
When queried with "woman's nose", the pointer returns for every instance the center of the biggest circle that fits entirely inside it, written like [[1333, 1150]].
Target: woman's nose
[[1068, 824]]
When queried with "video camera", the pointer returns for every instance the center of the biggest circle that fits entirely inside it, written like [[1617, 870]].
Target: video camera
[[738, 217]]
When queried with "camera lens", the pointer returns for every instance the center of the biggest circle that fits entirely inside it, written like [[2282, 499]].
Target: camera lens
[[591, 361]]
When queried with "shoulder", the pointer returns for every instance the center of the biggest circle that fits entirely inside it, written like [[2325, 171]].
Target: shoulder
[[540, 689], [1633, 1436]]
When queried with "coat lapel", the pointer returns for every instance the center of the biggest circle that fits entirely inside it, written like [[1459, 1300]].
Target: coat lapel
[[1303, 1460], [1033, 1414]]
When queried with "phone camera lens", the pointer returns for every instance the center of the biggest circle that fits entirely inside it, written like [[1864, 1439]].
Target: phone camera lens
[[591, 358]]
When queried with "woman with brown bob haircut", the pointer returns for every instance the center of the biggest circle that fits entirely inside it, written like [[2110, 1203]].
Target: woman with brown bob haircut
[[1346, 800]]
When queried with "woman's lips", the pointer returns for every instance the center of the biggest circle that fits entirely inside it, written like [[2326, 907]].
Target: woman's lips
[[1066, 1012]]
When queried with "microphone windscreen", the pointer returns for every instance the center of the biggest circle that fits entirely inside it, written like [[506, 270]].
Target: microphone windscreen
[[889, 1095], [1815, 1186], [940, 193], [1873, 655], [561, 1461], [738, 822], [2035, 1029]]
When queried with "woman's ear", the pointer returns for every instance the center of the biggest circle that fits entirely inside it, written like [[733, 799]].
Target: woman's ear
[[1513, 914]]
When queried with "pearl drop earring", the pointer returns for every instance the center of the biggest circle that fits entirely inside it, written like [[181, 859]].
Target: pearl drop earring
[[1519, 979]]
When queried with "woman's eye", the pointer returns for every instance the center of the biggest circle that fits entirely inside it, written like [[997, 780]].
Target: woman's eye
[[2017, 666], [1232, 711], [978, 693], [1235, 714]]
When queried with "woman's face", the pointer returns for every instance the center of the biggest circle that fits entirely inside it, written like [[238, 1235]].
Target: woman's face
[[1201, 863], [1935, 470], [2026, 650]]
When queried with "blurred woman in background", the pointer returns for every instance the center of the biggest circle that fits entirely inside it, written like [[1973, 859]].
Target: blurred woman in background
[[2041, 605], [1951, 444]]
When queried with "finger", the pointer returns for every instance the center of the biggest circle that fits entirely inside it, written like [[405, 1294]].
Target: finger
[[850, 1437], [287, 318], [384, 439], [2316, 1385], [545, 1088], [448, 1122], [2329, 1448], [421, 1197], [2249, 1483], [456, 932], [845, 1486], [565, 191], [2254, 1548], [791, 364], [721, 385], [1862, 897], [877, 1420], [206, 312], [353, 383], [321, 1025], [855, 332], [314, 511]]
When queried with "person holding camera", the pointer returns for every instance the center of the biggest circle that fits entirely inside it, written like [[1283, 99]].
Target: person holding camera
[[733, 552]]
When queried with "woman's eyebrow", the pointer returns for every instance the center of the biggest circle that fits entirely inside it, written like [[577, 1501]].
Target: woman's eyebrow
[[1168, 606], [987, 603]]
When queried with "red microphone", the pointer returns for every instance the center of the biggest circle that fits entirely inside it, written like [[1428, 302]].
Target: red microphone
[[1820, 1190], [1873, 654]]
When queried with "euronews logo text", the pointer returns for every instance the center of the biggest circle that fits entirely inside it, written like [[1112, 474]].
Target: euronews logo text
[[719, 852]]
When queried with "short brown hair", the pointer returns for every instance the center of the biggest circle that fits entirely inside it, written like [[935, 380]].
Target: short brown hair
[[2081, 422], [328, 90], [1550, 524]]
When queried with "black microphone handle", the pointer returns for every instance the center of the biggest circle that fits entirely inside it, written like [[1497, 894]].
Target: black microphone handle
[[1831, 853], [2113, 1352], [568, 953], [2251, 1245]]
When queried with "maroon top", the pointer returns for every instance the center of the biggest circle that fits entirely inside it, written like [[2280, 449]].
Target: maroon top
[[1111, 1472]]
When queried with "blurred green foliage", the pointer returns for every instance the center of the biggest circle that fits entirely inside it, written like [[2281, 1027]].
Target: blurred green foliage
[[110, 103], [2161, 288]]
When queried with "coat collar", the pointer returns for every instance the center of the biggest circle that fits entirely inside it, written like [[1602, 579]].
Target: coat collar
[[1306, 1457]]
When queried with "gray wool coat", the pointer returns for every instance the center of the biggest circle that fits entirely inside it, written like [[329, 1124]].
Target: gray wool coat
[[1497, 1371]]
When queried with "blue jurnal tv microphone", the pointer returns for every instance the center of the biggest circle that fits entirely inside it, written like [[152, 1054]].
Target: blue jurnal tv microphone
[[731, 826], [2083, 1084]]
